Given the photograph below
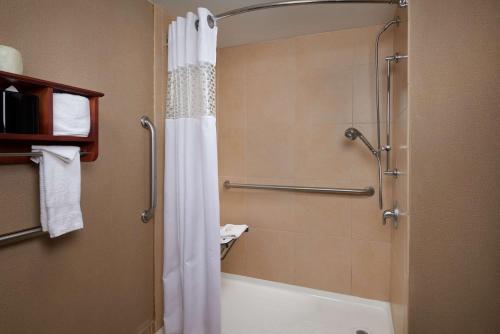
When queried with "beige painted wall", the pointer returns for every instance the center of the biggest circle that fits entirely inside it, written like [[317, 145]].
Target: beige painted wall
[[100, 279], [454, 80], [400, 160], [283, 107]]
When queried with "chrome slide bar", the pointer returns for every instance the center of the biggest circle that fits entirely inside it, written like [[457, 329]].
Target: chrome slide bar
[[388, 147], [368, 191], [149, 213]]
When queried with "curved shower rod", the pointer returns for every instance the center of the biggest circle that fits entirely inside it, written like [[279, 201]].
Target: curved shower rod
[[278, 4]]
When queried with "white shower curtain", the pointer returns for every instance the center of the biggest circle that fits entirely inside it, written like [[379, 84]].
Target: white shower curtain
[[191, 276]]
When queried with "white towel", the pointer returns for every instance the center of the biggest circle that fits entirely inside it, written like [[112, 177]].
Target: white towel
[[229, 232], [71, 115], [60, 210]]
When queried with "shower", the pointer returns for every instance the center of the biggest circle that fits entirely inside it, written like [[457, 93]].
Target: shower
[[353, 134]]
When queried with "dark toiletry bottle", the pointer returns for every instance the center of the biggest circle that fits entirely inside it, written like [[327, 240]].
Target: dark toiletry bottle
[[2, 118], [20, 112]]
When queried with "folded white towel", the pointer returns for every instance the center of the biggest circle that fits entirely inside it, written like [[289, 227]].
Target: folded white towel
[[71, 115], [60, 210], [229, 232]]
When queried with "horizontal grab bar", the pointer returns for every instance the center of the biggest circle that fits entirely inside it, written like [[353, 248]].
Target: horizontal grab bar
[[368, 191]]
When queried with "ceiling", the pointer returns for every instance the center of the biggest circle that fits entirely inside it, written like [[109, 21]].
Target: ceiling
[[275, 23]]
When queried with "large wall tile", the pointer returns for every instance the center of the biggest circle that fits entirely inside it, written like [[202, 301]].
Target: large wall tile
[[371, 269], [283, 108], [269, 254], [271, 209], [323, 262]]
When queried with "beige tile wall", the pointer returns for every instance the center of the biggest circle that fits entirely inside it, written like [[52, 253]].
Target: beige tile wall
[[283, 107], [400, 236]]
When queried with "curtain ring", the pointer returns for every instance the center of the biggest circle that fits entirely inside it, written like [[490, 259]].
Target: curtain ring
[[210, 22]]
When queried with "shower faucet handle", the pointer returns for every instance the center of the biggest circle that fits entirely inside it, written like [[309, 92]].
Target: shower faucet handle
[[392, 215]]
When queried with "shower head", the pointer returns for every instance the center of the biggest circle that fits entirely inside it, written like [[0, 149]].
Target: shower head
[[353, 133]]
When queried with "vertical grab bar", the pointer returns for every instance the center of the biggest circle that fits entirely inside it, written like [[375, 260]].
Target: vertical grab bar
[[149, 213]]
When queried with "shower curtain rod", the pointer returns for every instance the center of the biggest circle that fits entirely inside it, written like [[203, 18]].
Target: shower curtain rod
[[278, 4]]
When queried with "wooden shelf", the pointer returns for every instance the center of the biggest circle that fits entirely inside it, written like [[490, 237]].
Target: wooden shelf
[[23, 82], [13, 142], [41, 138]]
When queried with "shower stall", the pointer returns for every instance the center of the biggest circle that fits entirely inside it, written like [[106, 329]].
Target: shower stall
[[318, 255]]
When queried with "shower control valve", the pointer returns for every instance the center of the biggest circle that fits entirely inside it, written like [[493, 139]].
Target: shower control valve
[[391, 214]]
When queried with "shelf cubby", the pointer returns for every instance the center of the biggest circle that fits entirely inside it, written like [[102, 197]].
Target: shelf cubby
[[13, 142]]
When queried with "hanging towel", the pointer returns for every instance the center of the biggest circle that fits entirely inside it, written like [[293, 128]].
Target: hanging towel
[[60, 210], [71, 114], [229, 232]]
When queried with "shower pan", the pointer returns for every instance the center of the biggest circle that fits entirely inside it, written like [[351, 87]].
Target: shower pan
[[251, 306]]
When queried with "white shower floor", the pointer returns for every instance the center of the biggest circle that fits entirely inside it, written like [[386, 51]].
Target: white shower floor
[[253, 306]]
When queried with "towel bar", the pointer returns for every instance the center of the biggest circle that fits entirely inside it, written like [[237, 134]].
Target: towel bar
[[27, 233], [27, 154], [8, 238]]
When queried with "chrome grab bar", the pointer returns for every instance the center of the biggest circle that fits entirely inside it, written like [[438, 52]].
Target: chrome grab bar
[[368, 191], [149, 213]]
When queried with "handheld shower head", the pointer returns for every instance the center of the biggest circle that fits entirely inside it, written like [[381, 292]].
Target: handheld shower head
[[353, 133]]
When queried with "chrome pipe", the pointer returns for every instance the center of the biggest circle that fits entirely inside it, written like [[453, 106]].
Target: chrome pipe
[[368, 191], [278, 4], [149, 213], [396, 20]]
